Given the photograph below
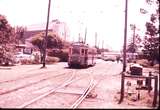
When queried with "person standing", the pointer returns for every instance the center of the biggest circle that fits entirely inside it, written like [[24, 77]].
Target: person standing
[[117, 59]]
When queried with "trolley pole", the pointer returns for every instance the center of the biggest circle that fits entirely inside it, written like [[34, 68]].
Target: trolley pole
[[45, 38], [125, 37]]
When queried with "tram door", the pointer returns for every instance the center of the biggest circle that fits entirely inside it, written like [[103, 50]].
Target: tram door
[[92, 57], [86, 56]]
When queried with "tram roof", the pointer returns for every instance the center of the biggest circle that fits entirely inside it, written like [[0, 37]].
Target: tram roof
[[80, 44]]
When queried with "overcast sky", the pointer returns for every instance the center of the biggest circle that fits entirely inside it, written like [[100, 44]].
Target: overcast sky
[[106, 17]]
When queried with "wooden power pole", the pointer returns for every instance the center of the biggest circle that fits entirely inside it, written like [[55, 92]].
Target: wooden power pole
[[85, 35], [95, 39], [45, 38], [125, 36]]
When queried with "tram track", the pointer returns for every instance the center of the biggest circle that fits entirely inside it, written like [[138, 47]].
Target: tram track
[[87, 90], [66, 83], [52, 91], [93, 83], [30, 82], [31, 90], [83, 96], [26, 76], [22, 77]]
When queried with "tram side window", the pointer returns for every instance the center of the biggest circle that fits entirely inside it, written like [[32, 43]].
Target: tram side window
[[86, 52], [69, 50], [90, 52], [93, 52], [82, 51]]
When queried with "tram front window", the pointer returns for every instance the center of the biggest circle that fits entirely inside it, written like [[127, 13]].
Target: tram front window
[[75, 51]]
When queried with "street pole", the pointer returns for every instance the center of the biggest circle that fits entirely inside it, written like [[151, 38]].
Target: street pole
[[85, 35], [134, 28], [102, 45], [95, 39], [124, 54], [45, 38], [125, 37], [98, 44], [79, 37]]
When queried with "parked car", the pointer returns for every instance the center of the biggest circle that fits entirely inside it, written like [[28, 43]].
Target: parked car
[[21, 56], [109, 56], [7, 59]]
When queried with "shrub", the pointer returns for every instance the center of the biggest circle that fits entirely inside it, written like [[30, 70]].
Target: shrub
[[61, 54], [50, 60], [156, 66], [26, 61], [64, 55], [143, 62]]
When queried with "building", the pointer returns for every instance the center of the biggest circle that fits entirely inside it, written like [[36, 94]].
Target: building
[[60, 28]]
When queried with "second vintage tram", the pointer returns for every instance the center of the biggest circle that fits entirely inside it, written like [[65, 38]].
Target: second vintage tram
[[81, 55]]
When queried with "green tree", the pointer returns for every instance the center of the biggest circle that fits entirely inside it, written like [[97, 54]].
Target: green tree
[[132, 47], [53, 41], [6, 31], [20, 34], [135, 40], [7, 40], [151, 39]]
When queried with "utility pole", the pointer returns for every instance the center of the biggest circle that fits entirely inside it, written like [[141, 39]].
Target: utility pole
[[85, 35], [102, 45], [79, 37], [124, 53], [134, 29], [98, 43], [45, 38], [125, 36], [95, 39]]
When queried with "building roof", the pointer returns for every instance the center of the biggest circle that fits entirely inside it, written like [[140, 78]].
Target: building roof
[[41, 27]]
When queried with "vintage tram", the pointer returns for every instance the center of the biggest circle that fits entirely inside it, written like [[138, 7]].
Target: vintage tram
[[81, 55]]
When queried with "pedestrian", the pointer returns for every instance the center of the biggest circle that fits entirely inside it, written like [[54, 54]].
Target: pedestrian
[[118, 59]]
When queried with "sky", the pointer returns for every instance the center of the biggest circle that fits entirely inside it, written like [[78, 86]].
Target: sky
[[104, 17]]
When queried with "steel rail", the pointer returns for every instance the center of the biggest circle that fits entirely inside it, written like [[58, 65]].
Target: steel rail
[[67, 82], [25, 76], [32, 83], [82, 97], [85, 93], [92, 84]]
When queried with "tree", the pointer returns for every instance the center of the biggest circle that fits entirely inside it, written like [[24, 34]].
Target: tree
[[6, 31], [151, 39], [135, 40], [20, 34], [133, 46], [53, 41], [7, 40]]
